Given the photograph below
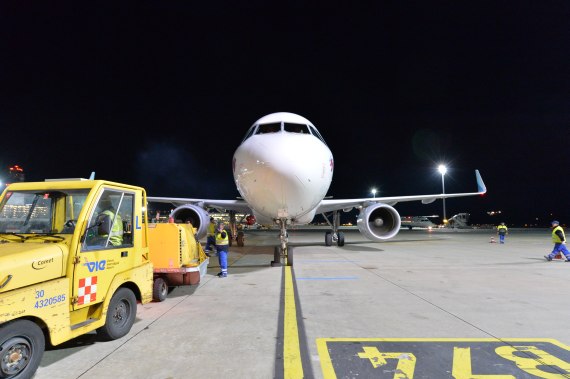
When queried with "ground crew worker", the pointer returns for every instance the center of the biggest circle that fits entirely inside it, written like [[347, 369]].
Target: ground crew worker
[[222, 244], [502, 230], [559, 242], [110, 224], [211, 239]]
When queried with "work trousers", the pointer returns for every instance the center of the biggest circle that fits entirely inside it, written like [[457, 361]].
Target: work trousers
[[210, 241], [560, 247], [223, 257]]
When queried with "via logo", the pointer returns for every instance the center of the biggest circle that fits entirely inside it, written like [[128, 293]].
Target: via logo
[[96, 266]]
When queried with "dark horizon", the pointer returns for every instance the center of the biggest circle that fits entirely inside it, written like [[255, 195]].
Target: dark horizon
[[160, 95]]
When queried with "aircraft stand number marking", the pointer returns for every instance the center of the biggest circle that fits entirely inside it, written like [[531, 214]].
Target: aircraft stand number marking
[[472, 358]]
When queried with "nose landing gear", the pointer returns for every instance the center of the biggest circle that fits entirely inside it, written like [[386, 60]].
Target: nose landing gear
[[282, 254]]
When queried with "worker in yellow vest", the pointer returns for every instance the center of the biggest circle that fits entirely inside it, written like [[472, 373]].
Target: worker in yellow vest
[[210, 238], [222, 245], [502, 231], [559, 240], [109, 231]]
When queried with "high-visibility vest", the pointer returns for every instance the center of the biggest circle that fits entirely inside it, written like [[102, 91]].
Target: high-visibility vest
[[211, 229], [222, 241], [116, 238], [555, 237], [502, 227]]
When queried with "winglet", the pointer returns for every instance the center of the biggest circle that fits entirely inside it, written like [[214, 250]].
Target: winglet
[[480, 185], [92, 176]]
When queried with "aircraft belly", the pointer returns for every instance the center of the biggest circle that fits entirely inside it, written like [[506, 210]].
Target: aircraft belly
[[281, 198]]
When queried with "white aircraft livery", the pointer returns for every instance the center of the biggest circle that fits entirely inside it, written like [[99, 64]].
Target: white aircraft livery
[[417, 222], [283, 169]]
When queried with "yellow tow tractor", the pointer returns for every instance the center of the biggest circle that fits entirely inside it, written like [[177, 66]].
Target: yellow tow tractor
[[74, 257]]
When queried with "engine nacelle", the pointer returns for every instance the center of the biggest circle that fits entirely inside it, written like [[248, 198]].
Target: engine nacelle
[[378, 222], [197, 216]]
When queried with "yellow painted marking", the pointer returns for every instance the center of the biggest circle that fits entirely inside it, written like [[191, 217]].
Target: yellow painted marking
[[325, 358], [530, 365], [406, 361], [462, 366], [291, 351], [327, 367]]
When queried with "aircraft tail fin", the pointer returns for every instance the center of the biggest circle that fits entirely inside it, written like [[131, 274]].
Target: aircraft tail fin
[[481, 188], [92, 176]]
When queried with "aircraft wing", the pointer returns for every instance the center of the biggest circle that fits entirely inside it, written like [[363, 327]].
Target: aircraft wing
[[231, 205], [329, 205]]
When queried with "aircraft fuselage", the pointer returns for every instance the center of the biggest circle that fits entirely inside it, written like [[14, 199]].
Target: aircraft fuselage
[[283, 172]]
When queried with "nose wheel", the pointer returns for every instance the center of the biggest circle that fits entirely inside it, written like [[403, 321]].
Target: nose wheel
[[282, 257], [283, 254]]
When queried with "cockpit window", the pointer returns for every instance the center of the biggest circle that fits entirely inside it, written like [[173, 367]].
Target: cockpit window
[[287, 126], [296, 128], [249, 132], [317, 134], [268, 128]]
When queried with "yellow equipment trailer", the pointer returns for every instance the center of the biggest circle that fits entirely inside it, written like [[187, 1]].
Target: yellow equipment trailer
[[177, 257]]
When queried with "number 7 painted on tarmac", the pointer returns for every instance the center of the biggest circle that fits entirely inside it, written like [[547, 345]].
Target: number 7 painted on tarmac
[[406, 361]]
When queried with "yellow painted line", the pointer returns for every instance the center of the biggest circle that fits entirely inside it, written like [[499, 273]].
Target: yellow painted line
[[444, 339], [291, 350], [326, 361], [329, 372]]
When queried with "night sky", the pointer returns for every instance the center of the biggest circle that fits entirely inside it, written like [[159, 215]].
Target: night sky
[[160, 94]]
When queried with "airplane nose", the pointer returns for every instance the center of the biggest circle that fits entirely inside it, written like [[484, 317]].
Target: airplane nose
[[289, 176]]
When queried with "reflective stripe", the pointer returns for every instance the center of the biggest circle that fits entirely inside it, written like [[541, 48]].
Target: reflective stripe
[[117, 228]]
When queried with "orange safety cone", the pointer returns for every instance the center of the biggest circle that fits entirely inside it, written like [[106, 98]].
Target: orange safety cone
[[492, 240]]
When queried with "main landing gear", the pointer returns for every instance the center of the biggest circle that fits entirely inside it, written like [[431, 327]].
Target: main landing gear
[[334, 235], [236, 232], [282, 254]]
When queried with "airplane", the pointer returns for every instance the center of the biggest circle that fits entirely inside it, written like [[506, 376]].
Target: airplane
[[283, 169], [418, 222]]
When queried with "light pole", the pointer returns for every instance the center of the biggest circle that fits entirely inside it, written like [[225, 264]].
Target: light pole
[[373, 190], [442, 170]]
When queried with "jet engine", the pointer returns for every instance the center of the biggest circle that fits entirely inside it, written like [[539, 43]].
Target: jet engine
[[378, 222], [194, 214]]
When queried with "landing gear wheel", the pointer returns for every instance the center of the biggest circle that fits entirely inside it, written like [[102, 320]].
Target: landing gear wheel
[[240, 239], [289, 256], [159, 289], [22, 345], [340, 241], [120, 315], [328, 238]]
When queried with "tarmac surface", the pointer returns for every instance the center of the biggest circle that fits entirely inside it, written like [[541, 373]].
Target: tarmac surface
[[440, 304]]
